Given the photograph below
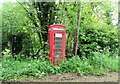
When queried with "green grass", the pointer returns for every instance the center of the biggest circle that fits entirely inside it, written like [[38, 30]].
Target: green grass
[[97, 64]]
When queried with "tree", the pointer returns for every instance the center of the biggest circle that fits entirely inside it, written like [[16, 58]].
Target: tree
[[12, 21], [15, 23], [77, 31], [93, 30], [42, 15]]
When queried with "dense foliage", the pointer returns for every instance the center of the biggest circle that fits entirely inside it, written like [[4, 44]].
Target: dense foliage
[[97, 33], [16, 23], [97, 64]]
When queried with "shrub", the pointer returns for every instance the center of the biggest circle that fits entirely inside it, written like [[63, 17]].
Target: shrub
[[98, 40], [97, 64]]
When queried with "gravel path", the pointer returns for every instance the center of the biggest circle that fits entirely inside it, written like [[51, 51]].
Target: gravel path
[[110, 77]]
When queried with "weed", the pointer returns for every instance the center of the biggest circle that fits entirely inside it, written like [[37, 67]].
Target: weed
[[96, 64]]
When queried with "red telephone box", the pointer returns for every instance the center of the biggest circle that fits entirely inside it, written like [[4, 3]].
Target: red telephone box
[[57, 43]]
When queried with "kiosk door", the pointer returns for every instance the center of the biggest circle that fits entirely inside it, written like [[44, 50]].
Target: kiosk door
[[58, 48]]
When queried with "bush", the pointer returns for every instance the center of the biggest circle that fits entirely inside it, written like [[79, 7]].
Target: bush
[[99, 39], [97, 64]]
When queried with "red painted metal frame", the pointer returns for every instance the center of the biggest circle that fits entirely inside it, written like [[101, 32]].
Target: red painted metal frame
[[51, 37]]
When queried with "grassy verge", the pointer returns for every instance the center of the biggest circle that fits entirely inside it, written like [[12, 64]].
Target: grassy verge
[[97, 64]]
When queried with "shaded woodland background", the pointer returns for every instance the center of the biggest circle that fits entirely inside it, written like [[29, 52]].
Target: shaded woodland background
[[30, 20]]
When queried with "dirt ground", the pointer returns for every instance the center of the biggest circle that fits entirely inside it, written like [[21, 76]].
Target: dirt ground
[[109, 77]]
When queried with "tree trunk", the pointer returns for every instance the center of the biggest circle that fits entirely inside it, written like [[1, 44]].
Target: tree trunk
[[119, 25], [77, 31]]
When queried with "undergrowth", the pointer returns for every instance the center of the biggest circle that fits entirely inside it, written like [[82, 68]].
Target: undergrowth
[[97, 64]]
